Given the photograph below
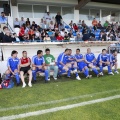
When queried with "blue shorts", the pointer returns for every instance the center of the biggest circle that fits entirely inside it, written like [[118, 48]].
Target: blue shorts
[[81, 66], [60, 67], [112, 63], [39, 70], [13, 69], [103, 65]]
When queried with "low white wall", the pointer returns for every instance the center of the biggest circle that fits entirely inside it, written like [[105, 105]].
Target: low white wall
[[56, 49]]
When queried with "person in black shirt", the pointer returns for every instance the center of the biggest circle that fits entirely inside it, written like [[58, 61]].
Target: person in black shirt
[[3, 33], [7, 38], [86, 36], [58, 18]]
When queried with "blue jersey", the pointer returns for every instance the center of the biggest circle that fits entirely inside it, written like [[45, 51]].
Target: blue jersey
[[70, 57], [78, 57], [103, 58], [38, 61], [89, 57], [62, 58], [112, 58], [13, 63]]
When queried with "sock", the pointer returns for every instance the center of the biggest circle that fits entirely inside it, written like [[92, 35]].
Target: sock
[[69, 72], [76, 74], [95, 71], [34, 74], [46, 75], [86, 72], [109, 69], [17, 78], [101, 68]]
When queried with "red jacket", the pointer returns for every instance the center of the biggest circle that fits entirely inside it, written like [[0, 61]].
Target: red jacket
[[60, 38]]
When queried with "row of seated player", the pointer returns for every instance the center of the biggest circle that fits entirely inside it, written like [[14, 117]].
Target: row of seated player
[[65, 63]]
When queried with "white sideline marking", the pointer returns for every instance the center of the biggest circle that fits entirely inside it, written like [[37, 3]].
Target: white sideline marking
[[40, 112], [56, 101]]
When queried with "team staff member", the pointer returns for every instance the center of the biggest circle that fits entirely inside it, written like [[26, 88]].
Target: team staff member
[[13, 66], [25, 63], [38, 65]]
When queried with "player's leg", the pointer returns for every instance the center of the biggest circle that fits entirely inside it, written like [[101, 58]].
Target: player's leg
[[17, 77], [7, 73], [116, 67], [109, 68], [22, 78], [46, 73], [30, 77], [34, 71], [68, 67], [49, 69], [75, 71], [55, 68]]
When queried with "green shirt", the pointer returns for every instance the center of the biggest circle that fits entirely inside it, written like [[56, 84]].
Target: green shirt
[[49, 59]]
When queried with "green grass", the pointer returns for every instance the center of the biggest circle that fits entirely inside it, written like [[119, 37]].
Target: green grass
[[61, 89]]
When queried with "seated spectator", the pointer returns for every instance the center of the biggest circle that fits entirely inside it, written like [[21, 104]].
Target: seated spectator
[[70, 33], [15, 38], [30, 33], [59, 37], [37, 33], [94, 23], [103, 36], [43, 34], [27, 21], [99, 26], [86, 36], [33, 38], [56, 26], [66, 37], [28, 26], [79, 24], [72, 38], [7, 38], [34, 24], [21, 33], [63, 32], [3, 19], [3, 33], [47, 38], [51, 26], [16, 23], [39, 29], [71, 24], [50, 32], [53, 38], [75, 27], [45, 26], [79, 32], [78, 38], [61, 27], [22, 22]]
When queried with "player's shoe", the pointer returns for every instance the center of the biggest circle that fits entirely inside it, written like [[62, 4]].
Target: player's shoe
[[30, 84], [55, 78], [24, 85], [89, 76], [110, 73], [78, 78], [101, 73], [116, 72], [48, 78], [75, 71]]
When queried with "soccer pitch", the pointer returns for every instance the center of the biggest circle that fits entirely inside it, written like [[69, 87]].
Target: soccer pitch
[[64, 99]]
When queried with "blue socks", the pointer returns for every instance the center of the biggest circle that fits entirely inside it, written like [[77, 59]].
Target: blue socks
[[101, 68], [46, 75], [95, 71], [109, 69], [17, 78], [34, 74], [86, 72]]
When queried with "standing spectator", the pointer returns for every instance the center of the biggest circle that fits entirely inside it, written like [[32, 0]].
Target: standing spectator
[[94, 23], [50, 63], [71, 24], [22, 21], [47, 17], [16, 23], [106, 24], [3, 19], [58, 18]]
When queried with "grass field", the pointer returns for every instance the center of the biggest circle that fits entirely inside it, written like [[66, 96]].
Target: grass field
[[64, 92]]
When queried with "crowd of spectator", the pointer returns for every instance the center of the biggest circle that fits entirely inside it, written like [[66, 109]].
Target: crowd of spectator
[[55, 29]]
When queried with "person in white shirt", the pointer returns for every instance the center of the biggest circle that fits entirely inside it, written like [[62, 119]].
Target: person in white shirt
[[51, 26], [22, 21], [47, 18], [16, 23], [63, 32]]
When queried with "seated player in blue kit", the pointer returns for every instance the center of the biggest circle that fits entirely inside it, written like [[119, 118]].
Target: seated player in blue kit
[[113, 61], [38, 65], [13, 66], [91, 61], [103, 61], [82, 66], [72, 61], [63, 65]]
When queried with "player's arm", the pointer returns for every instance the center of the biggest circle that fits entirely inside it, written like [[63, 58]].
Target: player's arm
[[79, 60], [62, 60], [8, 65], [85, 57]]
